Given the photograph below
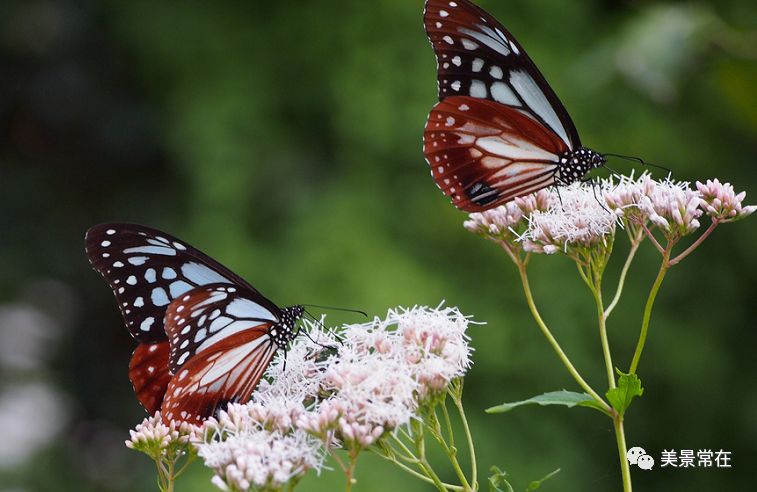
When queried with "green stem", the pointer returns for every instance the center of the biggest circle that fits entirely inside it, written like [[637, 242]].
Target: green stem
[[593, 280], [620, 437], [420, 476], [448, 422], [635, 243], [552, 341], [350, 472], [603, 331], [469, 437], [648, 310], [170, 477], [420, 445]]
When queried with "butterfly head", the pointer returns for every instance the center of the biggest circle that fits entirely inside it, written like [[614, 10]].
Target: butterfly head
[[284, 331]]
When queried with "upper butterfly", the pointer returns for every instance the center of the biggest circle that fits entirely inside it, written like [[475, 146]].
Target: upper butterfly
[[499, 131], [205, 335]]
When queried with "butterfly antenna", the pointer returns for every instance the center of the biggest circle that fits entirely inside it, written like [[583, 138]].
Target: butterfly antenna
[[332, 332], [639, 160], [336, 309]]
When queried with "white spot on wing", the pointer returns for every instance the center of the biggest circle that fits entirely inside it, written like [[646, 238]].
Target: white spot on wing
[[201, 274], [159, 297], [502, 93], [487, 37], [245, 308], [147, 323], [478, 89], [219, 323], [154, 250], [478, 64], [469, 45], [178, 288]]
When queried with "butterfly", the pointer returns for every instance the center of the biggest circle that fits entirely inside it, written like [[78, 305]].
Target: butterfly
[[206, 336], [499, 130]]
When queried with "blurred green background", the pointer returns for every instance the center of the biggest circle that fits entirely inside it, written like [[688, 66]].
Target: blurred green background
[[284, 139]]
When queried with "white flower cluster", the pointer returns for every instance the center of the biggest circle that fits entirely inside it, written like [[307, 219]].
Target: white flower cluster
[[722, 202], [252, 457], [157, 439], [585, 214], [347, 393]]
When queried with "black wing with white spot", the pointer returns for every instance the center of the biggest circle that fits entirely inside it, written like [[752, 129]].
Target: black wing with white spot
[[214, 313], [147, 269], [478, 57]]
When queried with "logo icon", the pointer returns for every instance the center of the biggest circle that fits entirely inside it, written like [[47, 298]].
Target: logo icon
[[637, 456]]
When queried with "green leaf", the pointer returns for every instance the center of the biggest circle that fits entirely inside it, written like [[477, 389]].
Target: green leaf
[[629, 387], [566, 398], [497, 480], [537, 483]]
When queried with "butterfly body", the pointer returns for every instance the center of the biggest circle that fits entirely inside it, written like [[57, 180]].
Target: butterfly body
[[499, 131], [205, 335]]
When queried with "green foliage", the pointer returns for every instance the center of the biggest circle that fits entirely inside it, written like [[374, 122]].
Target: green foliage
[[497, 480], [563, 397], [629, 387]]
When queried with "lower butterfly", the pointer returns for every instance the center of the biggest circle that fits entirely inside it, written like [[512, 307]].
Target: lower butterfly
[[206, 336]]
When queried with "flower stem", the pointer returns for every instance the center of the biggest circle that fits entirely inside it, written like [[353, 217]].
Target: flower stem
[[447, 486], [653, 239], [696, 243], [635, 243], [648, 310], [620, 437], [552, 341], [457, 398], [350, 471], [603, 331]]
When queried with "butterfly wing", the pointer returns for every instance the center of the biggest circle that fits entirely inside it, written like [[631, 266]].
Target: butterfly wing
[[483, 154], [220, 345], [147, 269], [209, 314], [148, 373], [478, 57]]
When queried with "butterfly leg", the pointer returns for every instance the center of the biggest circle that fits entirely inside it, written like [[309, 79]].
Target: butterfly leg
[[594, 185]]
